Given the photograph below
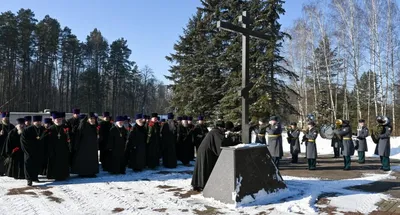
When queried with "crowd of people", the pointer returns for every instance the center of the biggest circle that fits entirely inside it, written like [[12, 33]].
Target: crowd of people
[[57, 147]]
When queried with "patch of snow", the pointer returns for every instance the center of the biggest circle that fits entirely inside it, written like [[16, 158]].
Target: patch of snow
[[262, 197], [247, 145], [237, 188], [362, 203]]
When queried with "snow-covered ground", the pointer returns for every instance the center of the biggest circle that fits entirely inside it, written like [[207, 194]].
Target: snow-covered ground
[[165, 191]]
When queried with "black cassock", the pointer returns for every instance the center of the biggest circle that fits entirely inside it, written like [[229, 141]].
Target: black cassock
[[153, 145], [200, 131], [73, 124], [184, 145], [4, 130], [207, 157], [136, 148], [105, 155], [116, 146], [58, 152], [32, 143], [15, 155], [86, 161], [169, 135]]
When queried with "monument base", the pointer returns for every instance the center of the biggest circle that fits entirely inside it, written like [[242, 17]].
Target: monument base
[[243, 171]]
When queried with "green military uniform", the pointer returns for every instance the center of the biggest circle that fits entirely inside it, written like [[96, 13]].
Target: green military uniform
[[348, 147], [384, 147], [311, 146], [293, 140], [362, 134]]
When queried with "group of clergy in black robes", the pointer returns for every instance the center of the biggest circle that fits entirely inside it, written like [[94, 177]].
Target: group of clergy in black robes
[[32, 149], [148, 141], [60, 146]]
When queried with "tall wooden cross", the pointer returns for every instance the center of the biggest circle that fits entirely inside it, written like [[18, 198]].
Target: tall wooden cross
[[246, 32]]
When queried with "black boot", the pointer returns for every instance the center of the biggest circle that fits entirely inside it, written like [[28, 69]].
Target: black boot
[[30, 183]]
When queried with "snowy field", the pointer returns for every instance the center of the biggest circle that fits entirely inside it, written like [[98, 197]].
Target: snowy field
[[166, 191]]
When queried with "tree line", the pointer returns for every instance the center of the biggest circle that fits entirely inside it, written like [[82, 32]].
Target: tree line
[[346, 55], [339, 60], [43, 65], [206, 63]]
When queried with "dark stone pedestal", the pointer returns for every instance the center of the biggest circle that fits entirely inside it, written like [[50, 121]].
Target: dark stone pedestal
[[240, 172]]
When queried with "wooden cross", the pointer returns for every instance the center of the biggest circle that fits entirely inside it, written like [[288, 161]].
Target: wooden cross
[[244, 92]]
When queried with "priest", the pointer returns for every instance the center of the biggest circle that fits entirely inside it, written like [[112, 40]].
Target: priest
[[86, 163], [104, 130], [199, 132], [184, 142], [57, 139], [153, 142], [14, 153], [207, 156], [116, 147], [168, 139], [73, 124], [136, 146], [5, 128], [32, 144]]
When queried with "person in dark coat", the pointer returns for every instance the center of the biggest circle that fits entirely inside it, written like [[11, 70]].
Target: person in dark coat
[[384, 142], [275, 147], [191, 128], [362, 134], [184, 142], [136, 146], [104, 131], [14, 153], [153, 142], [86, 163], [168, 139], [57, 139], [348, 147], [116, 146], [199, 132], [73, 123], [293, 134], [5, 128], [47, 123], [32, 143], [336, 142], [207, 156], [311, 145], [232, 138], [261, 130]]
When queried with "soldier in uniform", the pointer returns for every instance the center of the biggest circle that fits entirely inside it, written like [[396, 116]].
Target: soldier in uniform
[[348, 147], [293, 139], [261, 130], [384, 142], [274, 131], [311, 146], [362, 134]]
